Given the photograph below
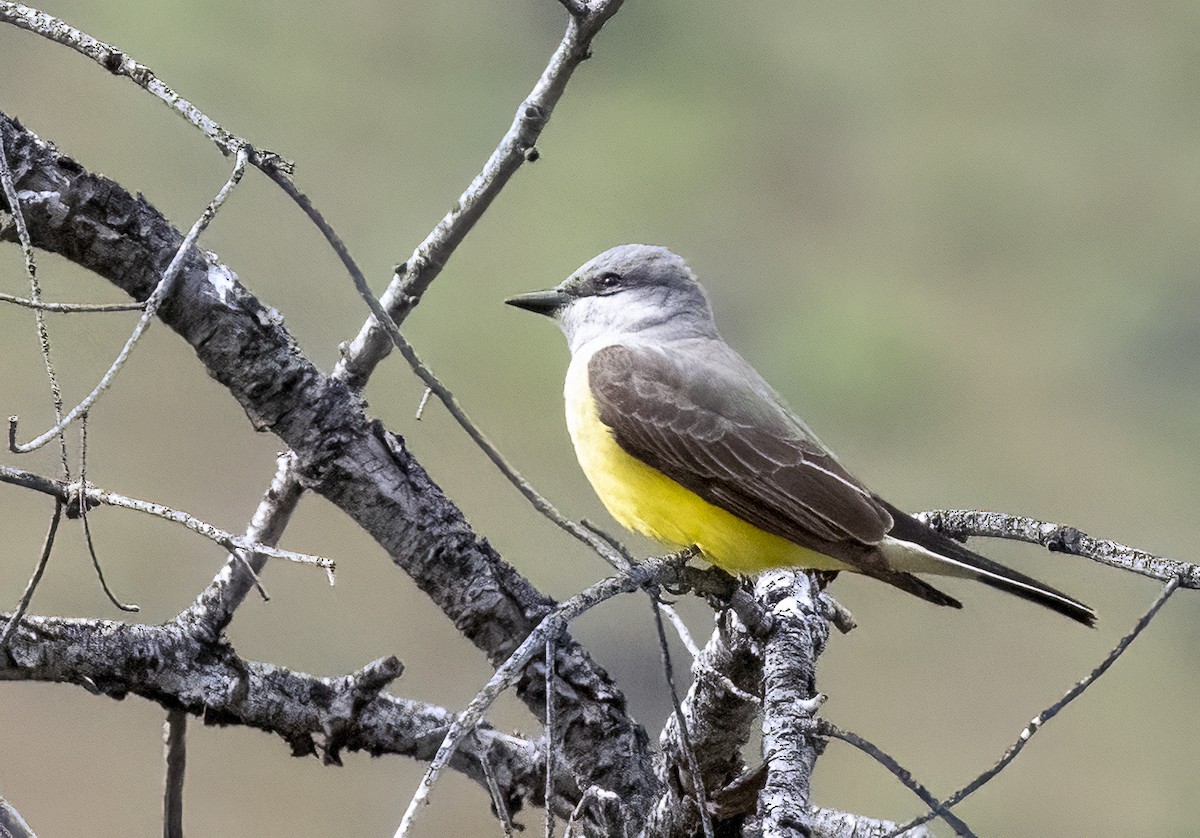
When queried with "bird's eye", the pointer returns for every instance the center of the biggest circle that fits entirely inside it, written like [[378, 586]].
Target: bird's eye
[[609, 280]]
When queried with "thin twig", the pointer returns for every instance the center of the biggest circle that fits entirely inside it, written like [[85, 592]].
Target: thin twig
[[31, 586], [82, 511], [175, 756], [66, 492], [118, 63], [685, 741], [157, 296], [681, 629], [827, 729], [508, 672], [35, 297], [424, 401], [70, 308], [489, 778], [1053, 710], [127, 607]]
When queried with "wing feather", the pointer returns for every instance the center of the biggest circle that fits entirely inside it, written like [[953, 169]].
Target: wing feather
[[722, 433]]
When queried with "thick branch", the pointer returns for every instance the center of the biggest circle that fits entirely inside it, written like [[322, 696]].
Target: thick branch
[[313, 715], [720, 707], [790, 700], [364, 470]]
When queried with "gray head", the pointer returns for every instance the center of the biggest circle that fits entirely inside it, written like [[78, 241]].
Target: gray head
[[629, 290]]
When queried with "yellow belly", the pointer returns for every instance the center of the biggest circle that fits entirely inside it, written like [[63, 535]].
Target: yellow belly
[[647, 501]]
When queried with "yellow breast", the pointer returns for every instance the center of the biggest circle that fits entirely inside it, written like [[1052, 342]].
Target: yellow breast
[[647, 501]]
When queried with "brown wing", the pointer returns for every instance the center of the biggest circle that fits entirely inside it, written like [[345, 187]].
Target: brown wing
[[714, 426]]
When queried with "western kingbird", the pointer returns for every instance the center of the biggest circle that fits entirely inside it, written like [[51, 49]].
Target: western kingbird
[[686, 443]]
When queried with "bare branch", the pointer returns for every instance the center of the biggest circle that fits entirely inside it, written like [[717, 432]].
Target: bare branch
[[82, 510], [790, 699], [70, 308], [1050, 712], [342, 455], [826, 729], [35, 297], [73, 493], [31, 586], [498, 801], [313, 715], [553, 625], [12, 825], [156, 298], [1059, 538], [829, 823], [119, 64], [697, 790]]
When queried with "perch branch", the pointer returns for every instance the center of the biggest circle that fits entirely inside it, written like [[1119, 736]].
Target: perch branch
[[790, 699]]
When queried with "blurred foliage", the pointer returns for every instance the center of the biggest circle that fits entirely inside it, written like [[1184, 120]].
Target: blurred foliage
[[960, 238]]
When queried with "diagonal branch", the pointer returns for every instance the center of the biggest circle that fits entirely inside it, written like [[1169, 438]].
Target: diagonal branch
[[340, 453], [414, 277], [119, 63], [1054, 709]]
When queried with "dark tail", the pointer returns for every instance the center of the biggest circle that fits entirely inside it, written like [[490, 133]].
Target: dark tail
[[987, 571]]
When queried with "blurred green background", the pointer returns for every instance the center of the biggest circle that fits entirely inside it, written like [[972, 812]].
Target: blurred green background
[[960, 238]]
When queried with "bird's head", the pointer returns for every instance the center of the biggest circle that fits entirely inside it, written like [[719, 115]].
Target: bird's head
[[627, 291]]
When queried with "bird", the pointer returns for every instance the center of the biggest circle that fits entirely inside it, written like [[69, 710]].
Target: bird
[[686, 443]]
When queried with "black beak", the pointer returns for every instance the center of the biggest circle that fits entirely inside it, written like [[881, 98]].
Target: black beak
[[540, 302]]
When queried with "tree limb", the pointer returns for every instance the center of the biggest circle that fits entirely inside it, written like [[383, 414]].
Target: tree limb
[[313, 715], [790, 699], [341, 454]]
